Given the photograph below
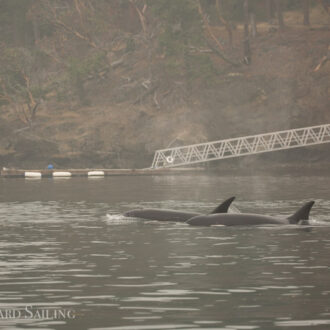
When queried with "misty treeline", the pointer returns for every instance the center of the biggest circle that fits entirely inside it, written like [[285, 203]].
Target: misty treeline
[[51, 48]]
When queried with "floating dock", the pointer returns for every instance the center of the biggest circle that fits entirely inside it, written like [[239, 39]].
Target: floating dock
[[65, 173]]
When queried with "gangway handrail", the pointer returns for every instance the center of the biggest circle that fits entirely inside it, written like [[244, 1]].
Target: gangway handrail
[[241, 146]]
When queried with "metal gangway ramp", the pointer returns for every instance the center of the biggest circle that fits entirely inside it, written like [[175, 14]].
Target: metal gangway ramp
[[236, 147]]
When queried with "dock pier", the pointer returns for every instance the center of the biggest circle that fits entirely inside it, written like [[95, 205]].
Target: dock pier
[[61, 173]]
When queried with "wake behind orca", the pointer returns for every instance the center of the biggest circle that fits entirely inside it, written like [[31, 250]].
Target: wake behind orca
[[245, 219], [173, 215]]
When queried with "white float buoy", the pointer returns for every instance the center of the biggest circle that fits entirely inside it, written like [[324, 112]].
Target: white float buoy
[[62, 174], [95, 173], [170, 159], [32, 174]]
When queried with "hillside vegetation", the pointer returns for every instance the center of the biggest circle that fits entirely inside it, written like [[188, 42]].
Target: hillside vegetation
[[97, 83]]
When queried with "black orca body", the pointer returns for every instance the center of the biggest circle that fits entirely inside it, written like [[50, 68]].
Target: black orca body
[[173, 215], [246, 219]]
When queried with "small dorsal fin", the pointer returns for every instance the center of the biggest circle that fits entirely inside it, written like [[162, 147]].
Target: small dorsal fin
[[224, 206], [302, 213]]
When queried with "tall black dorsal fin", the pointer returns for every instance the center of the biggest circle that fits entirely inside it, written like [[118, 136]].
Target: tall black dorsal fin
[[302, 213], [224, 206]]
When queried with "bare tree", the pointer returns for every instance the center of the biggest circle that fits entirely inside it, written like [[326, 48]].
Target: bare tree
[[224, 22], [141, 14], [216, 46], [52, 15]]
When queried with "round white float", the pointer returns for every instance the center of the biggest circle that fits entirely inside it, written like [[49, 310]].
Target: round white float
[[170, 159], [32, 174], [62, 174]]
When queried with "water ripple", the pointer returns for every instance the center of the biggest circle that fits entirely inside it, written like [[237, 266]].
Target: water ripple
[[79, 252]]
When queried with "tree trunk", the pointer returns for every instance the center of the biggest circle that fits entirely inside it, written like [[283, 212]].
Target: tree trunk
[[270, 10], [247, 49], [279, 11], [306, 5], [253, 25]]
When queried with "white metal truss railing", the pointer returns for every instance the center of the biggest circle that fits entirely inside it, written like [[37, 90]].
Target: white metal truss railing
[[248, 145]]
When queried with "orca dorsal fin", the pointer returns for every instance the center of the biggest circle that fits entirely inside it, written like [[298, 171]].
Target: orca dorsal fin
[[302, 213], [224, 206]]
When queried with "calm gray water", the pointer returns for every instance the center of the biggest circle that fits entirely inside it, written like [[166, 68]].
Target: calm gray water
[[65, 247]]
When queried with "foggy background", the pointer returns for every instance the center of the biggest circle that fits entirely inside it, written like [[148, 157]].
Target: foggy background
[[95, 83]]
